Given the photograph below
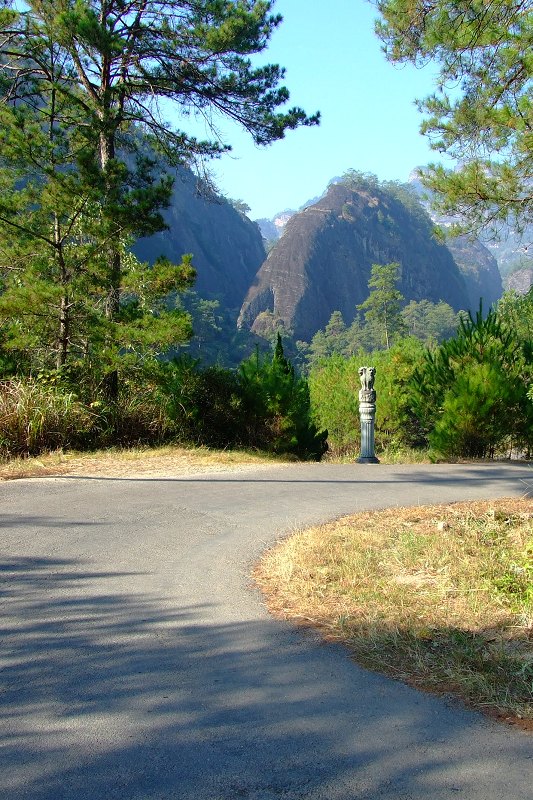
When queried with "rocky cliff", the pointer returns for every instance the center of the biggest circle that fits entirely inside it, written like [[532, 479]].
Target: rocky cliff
[[520, 281], [322, 262], [479, 269], [227, 247]]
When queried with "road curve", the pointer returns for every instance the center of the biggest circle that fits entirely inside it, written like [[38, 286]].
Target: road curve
[[137, 663]]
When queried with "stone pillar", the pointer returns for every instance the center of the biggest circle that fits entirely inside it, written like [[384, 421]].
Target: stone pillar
[[367, 414]]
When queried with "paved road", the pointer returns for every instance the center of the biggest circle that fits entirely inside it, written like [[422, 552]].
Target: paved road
[[138, 663]]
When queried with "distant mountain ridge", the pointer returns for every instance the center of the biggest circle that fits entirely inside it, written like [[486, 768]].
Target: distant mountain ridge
[[479, 269], [511, 248], [322, 262], [477, 261]]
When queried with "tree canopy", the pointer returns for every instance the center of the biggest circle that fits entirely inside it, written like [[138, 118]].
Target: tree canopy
[[382, 308], [85, 88], [481, 112], [120, 59]]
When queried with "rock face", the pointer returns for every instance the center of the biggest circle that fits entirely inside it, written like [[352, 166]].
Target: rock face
[[520, 281], [227, 247], [480, 271], [512, 249], [322, 263], [269, 231]]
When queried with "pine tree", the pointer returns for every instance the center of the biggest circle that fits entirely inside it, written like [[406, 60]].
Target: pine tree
[[481, 112], [55, 239], [430, 322], [471, 392], [382, 308], [108, 66]]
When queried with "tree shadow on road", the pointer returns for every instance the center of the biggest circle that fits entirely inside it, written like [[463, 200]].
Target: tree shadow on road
[[111, 695]]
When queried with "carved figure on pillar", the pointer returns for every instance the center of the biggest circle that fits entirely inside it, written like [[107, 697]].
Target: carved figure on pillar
[[367, 414], [367, 393]]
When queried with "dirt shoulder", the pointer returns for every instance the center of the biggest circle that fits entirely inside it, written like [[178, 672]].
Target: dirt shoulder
[[153, 463]]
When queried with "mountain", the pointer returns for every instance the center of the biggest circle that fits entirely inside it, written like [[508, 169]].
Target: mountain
[[322, 262], [513, 252], [520, 281], [510, 247], [268, 228], [479, 269], [272, 229], [227, 247]]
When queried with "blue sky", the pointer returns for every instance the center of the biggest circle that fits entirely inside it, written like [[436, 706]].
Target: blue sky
[[369, 121]]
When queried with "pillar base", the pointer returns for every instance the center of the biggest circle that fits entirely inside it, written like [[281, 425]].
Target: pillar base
[[367, 460]]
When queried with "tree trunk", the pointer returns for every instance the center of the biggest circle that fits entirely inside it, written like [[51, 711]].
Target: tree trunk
[[64, 305], [112, 305], [64, 332]]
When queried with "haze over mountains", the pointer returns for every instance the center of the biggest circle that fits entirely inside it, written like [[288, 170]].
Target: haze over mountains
[[321, 263]]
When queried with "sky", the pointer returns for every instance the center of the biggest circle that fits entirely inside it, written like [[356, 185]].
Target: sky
[[334, 64]]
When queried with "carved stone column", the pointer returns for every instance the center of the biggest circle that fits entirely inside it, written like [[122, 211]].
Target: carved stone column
[[367, 414]]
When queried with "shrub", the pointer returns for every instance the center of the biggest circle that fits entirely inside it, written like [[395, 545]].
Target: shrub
[[264, 405], [397, 426], [205, 405], [278, 407], [470, 394], [334, 384], [34, 418]]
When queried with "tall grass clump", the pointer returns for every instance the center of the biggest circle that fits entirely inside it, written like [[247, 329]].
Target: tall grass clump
[[35, 418], [139, 417]]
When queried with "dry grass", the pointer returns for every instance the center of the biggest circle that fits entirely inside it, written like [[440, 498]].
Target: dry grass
[[390, 455], [149, 462], [440, 596]]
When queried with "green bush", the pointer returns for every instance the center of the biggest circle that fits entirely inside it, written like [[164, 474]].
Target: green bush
[[334, 385], [470, 394], [278, 407], [397, 426], [473, 419], [334, 388], [205, 405], [264, 405]]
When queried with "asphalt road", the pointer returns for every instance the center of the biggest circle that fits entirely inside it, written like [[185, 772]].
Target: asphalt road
[[138, 663]]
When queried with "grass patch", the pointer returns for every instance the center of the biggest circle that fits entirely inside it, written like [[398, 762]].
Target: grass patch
[[389, 455], [440, 597], [158, 461]]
